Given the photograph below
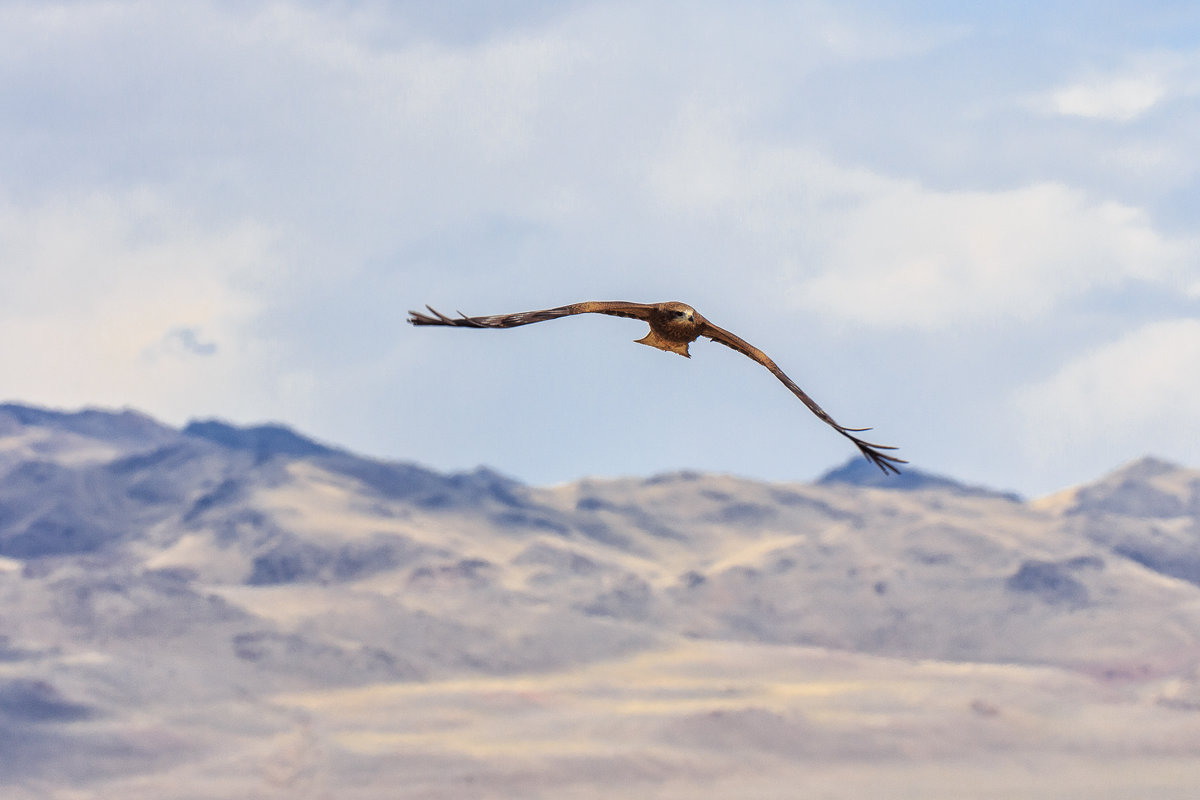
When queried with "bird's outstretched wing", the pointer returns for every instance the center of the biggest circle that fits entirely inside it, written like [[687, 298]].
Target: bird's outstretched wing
[[872, 451], [614, 308]]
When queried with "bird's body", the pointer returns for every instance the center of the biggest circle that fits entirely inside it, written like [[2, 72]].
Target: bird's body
[[673, 326]]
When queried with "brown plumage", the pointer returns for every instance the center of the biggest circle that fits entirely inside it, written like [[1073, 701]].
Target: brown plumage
[[673, 326]]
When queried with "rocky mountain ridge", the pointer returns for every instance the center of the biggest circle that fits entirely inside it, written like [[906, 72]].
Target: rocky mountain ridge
[[145, 567]]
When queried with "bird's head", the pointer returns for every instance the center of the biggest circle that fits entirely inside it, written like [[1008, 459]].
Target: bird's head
[[680, 312]]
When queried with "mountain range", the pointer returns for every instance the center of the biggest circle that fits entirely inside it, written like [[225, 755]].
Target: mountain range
[[225, 611]]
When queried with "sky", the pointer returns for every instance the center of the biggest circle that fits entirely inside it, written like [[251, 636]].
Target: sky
[[970, 226]]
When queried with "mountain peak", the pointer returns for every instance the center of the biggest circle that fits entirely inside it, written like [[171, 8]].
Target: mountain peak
[[1144, 468], [1148, 487], [860, 472], [91, 422], [263, 440]]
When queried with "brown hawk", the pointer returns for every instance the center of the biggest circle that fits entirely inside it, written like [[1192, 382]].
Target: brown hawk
[[673, 326]]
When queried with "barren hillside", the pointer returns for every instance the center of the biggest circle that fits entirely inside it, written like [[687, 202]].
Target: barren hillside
[[229, 612]]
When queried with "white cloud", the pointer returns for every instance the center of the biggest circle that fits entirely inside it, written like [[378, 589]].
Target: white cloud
[[880, 251], [182, 342], [1120, 99], [910, 256], [94, 286], [1130, 397], [1143, 82]]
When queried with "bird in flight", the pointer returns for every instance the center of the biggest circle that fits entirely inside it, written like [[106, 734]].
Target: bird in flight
[[673, 326]]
